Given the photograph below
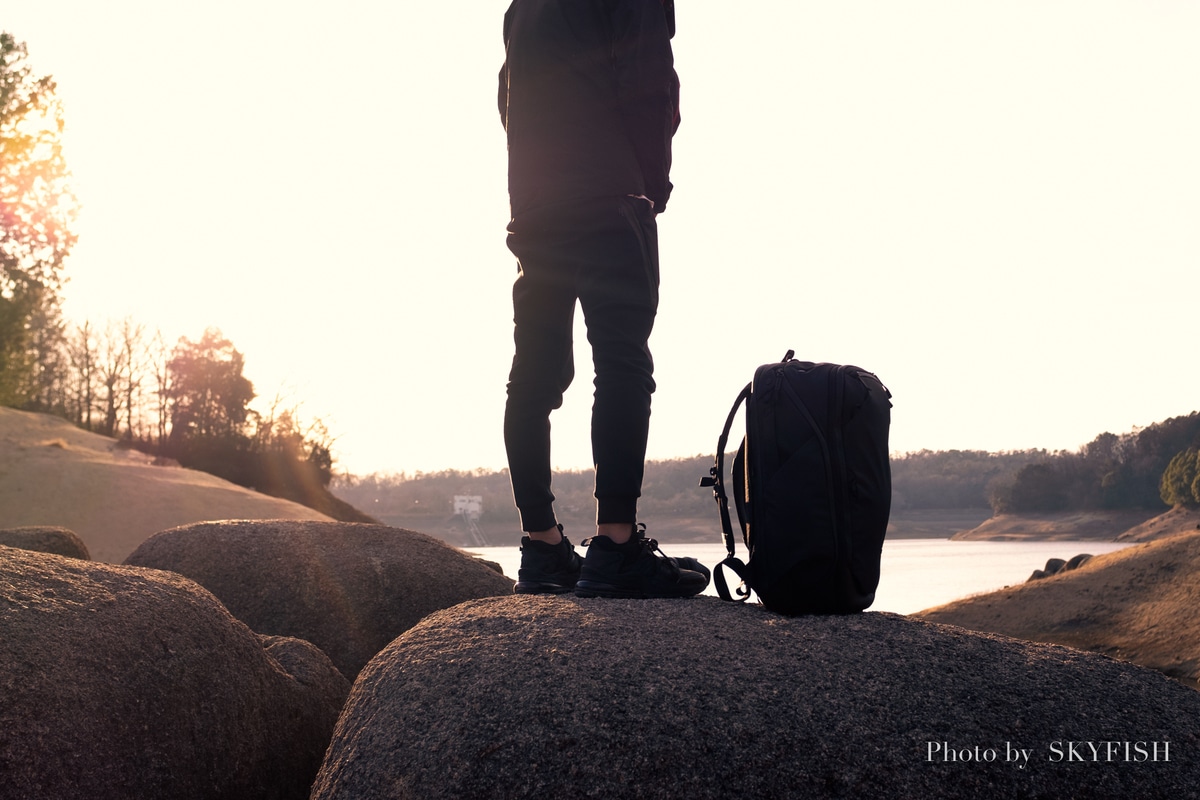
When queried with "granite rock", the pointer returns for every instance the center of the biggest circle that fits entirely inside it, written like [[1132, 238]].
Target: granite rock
[[564, 697], [349, 588], [120, 682]]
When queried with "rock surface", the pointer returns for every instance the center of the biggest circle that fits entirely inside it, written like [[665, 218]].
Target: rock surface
[[348, 588], [562, 697], [120, 683], [1137, 604], [45, 539], [1057, 565]]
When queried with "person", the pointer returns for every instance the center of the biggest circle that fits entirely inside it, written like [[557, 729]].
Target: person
[[589, 100]]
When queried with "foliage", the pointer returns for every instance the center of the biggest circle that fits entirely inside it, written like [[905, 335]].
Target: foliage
[[207, 393], [37, 212], [1111, 472], [213, 429], [1040, 488], [190, 403], [1180, 483], [952, 478], [100, 379]]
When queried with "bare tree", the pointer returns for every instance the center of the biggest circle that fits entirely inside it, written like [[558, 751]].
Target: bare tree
[[136, 356], [158, 356], [81, 392], [111, 369]]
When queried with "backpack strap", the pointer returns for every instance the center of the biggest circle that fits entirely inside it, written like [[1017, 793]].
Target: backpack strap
[[716, 479], [739, 569]]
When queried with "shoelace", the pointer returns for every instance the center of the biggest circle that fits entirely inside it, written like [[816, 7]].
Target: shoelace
[[639, 535], [652, 546]]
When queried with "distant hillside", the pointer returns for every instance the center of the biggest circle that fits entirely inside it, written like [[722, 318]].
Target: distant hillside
[[955, 479], [425, 501], [1112, 473], [936, 494]]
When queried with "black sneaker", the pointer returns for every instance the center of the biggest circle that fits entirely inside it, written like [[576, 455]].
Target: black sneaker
[[547, 568], [634, 570], [689, 563]]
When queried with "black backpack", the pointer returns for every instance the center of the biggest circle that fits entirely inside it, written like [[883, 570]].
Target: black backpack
[[812, 487]]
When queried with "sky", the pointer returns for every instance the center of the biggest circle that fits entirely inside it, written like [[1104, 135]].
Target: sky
[[992, 205]]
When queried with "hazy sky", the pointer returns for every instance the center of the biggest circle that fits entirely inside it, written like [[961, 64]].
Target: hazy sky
[[994, 206]]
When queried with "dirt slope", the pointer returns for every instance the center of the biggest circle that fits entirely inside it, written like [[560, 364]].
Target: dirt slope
[[1177, 520], [1137, 604], [1072, 525], [52, 473]]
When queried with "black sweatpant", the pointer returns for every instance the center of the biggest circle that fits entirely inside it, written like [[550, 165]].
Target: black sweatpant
[[603, 253]]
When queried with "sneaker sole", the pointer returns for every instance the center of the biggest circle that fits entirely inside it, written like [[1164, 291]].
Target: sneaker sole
[[529, 587], [594, 589]]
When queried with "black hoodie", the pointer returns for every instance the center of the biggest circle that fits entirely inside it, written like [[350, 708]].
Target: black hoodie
[[589, 98]]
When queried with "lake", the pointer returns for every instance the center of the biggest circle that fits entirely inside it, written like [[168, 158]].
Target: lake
[[915, 573]]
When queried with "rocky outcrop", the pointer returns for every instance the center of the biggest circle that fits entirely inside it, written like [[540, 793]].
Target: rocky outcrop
[[1077, 561], [1056, 565], [117, 682], [45, 539], [347, 588], [563, 697]]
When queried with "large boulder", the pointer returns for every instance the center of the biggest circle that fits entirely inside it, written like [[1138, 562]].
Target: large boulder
[[117, 682], [1055, 566], [563, 697], [348, 588], [45, 539]]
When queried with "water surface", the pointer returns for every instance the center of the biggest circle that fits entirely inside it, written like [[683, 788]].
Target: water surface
[[915, 573]]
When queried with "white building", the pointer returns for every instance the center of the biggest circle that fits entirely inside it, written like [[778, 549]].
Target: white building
[[468, 505]]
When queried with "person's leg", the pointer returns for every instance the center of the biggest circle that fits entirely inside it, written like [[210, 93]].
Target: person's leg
[[619, 532], [618, 290], [542, 369]]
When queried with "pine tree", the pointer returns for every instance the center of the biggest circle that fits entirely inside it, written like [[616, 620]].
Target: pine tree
[[1181, 479]]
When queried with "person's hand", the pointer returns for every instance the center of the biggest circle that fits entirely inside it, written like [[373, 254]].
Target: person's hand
[[643, 197]]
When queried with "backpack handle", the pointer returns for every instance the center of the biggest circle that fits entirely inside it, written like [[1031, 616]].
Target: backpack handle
[[716, 479]]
